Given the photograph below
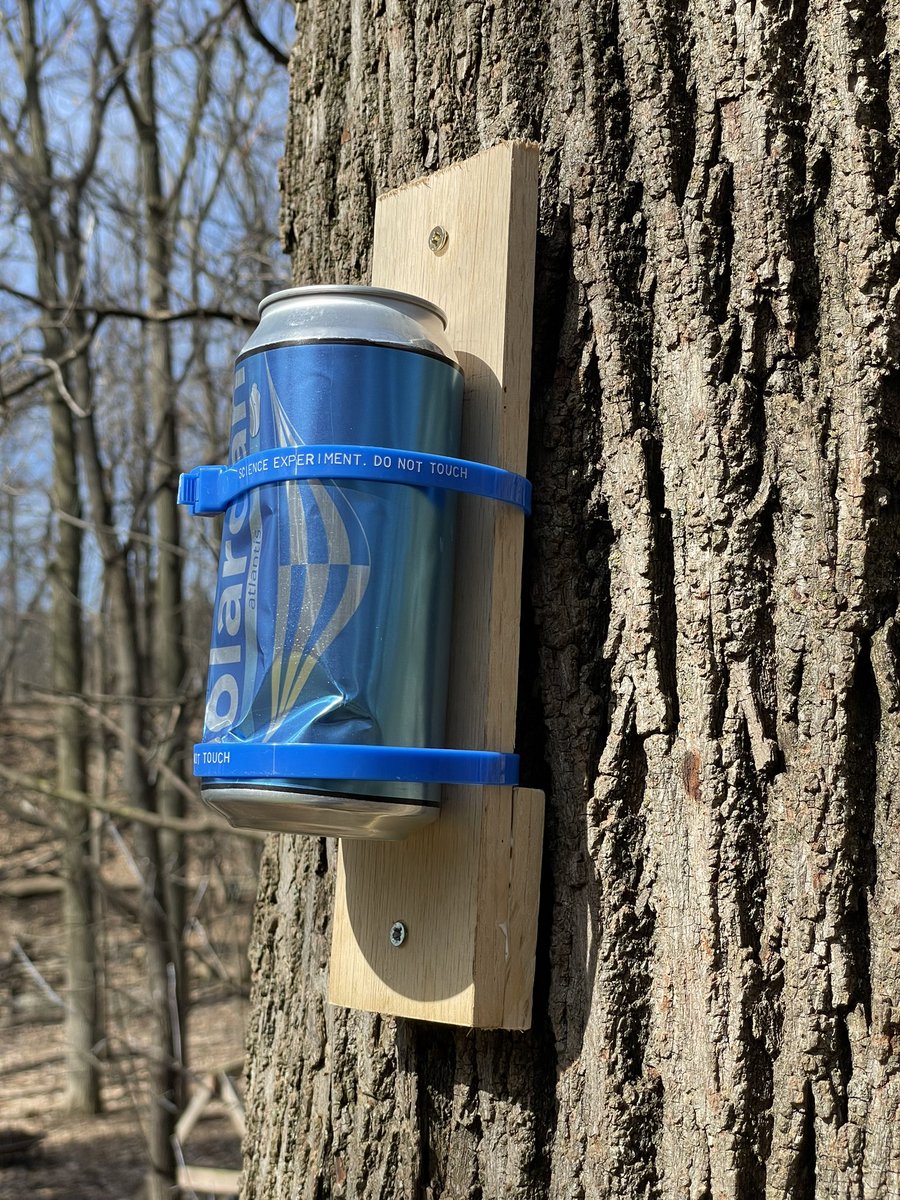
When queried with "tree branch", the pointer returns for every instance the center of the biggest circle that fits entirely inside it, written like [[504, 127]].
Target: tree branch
[[10, 393], [54, 370], [99, 102], [119, 61], [189, 150], [148, 316], [149, 755], [29, 817], [126, 812], [255, 31]]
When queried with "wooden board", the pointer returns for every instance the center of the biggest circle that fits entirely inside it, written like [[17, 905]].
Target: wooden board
[[467, 887]]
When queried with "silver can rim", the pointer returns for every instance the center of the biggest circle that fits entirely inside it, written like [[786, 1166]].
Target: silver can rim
[[353, 289]]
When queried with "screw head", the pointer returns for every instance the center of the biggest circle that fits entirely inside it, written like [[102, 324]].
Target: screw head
[[437, 239], [397, 934]]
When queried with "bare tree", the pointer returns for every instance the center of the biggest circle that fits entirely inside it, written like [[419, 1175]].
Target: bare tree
[[28, 156], [109, 213], [710, 679]]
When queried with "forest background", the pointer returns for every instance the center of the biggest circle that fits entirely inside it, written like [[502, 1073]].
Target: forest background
[[139, 148]]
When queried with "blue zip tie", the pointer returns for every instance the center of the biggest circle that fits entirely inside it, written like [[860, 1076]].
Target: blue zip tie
[[207, 490], [397, 764]]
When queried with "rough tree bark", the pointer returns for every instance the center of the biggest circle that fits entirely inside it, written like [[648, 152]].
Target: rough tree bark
[[710, 688]]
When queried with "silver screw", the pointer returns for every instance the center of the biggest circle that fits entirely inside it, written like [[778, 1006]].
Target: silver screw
[[397, 934], [437, 239]]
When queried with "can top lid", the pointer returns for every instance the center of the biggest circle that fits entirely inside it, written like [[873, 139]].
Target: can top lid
[[352, 289]]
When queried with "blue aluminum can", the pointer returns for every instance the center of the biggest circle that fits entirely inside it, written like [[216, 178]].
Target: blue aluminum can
[[332, 615]]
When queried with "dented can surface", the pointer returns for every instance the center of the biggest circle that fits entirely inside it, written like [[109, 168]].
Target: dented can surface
[[333, 604]]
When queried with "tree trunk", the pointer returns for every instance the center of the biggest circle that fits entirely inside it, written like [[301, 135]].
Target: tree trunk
[[12, 633], [710, 687], [83, 1020], [66, 636], [168, 662], [165, 1068]]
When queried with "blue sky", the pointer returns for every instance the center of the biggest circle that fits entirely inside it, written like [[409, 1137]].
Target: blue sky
[[231, 181]]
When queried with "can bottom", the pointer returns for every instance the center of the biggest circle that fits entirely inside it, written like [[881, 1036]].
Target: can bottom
[[283, 810]]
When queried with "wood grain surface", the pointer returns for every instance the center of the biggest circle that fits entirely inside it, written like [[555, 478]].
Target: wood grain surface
[[460, 886]]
